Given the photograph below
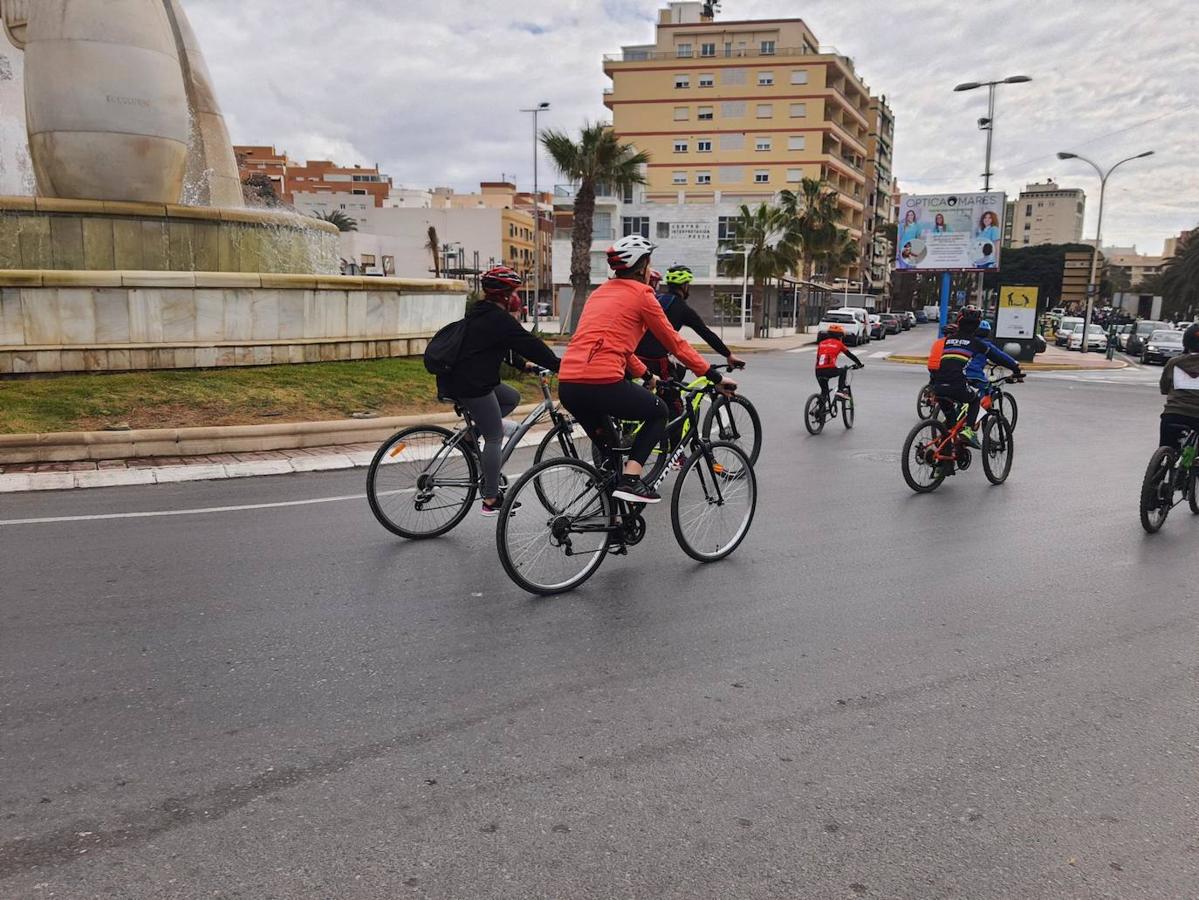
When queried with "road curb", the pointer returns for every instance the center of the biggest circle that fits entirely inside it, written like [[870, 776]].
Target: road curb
[[99, 446], [1028, 367]]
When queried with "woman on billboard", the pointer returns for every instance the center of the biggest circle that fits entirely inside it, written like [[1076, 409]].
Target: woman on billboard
[[911, 228], [988, 227], [939, 226]]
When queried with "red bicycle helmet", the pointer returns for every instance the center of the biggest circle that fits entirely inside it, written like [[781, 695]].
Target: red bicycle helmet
[[500, 280], [655, 278]]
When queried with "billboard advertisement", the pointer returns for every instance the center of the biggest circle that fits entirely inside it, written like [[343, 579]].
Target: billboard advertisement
[[950, 232], [1017, 317]]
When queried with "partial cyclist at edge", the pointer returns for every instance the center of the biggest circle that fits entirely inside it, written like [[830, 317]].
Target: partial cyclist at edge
[[492, 336], [1180, 386], [950, 380], [592, 383]]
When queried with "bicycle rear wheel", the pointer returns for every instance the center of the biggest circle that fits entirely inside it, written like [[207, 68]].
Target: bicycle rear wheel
[[1157, 490], [421, 484], [552, 533], [1009, 409], [998, 449], [921, 470], [814, 415], [714, 501], [1191, 497], [734, 420]]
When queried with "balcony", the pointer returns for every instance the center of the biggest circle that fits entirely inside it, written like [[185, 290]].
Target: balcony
[[638, 54]]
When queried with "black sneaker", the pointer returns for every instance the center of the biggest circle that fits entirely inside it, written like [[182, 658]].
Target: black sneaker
[[634, 490], [488, 511]]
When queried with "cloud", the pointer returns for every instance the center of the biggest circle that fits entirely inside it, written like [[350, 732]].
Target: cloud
[[431, 89]]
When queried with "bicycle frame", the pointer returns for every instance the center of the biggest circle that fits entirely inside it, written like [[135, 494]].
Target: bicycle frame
[[828, 406]]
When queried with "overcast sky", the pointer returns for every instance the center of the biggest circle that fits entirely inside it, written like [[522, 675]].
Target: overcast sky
[[430, 89]]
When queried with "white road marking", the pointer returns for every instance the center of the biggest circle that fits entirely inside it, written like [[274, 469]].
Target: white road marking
[[802, 349], [50, 520], [881, 354]]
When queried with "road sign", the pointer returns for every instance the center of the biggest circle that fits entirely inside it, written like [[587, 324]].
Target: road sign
[[1017, 312]]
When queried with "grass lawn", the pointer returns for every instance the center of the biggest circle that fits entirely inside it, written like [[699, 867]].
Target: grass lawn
[[249, 396]]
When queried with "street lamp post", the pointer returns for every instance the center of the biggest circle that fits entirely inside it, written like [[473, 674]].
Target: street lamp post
[[988, 125], [536, 111], [1092, 284]]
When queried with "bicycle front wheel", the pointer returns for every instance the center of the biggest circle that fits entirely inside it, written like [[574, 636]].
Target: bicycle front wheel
[[714, 502], [422, 482], [553, 529], [1009, 409], [813, 415], [926, 403], [997, 449], [847, 413], [1191, 497], [1157, 490], [733, 420], [921, 469], [565, 441]]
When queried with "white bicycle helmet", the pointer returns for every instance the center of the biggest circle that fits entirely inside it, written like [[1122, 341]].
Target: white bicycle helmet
[[626, 253]]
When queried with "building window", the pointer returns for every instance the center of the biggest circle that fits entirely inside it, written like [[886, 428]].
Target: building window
[[799, 110], [765, 110], [680, 146], [679, 178], [682, 113], [707, 81], [706, 113], [684, 51], [765, 79], [663, 229], [707, 49], [767, 48], [796, 142], [635, 225], [799, 76], [733, 76], [703, 177], [733, 141], [682, 81], [794, 176], [726, 229], [1028, 210], [703, 146], [763, 144], [368, 260], [761, 176], [731, 175]]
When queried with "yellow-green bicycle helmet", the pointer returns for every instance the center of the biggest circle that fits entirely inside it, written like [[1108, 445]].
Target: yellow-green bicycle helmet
[[679, 275]]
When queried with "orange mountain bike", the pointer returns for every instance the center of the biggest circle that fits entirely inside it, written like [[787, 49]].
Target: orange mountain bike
[[933, 450]]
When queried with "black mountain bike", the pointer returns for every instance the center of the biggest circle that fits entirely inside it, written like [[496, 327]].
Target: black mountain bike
[[560, 520], [423, 480], [821, 407], [1170, 477]]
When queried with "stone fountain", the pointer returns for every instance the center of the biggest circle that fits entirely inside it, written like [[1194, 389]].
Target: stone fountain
[[136, 249]]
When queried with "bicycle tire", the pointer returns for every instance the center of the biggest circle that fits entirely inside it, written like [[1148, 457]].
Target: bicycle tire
[[813, 422], [937, 432], [1009, 409], [520, 511], [1153, 513], [847, 413], [995, 443], [1191, 498], [562, 438], [926, 403], [386, 456], [735, 472], [736, 401]]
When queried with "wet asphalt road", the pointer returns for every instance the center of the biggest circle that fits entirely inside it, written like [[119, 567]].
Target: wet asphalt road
[[982, 693]]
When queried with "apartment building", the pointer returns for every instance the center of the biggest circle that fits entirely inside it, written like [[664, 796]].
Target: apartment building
[[879, 251], [737, 111], [312, 177], [1046, 213]]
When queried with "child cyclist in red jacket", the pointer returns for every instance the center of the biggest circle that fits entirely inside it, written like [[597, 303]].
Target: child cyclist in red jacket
[[828, 351]]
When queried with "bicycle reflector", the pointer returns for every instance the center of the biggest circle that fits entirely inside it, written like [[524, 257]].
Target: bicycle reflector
[[397, 450]]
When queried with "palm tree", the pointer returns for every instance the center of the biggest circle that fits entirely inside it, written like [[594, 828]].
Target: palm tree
[[844, 253], [338, 218], [433, 245], [1180, 276], [815, 214], [597, 158], [763, 231]]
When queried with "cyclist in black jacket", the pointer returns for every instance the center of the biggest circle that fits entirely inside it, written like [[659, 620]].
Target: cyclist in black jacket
[[493, 335]]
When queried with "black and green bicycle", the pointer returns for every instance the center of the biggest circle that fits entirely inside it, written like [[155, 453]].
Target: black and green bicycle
[[1170, 478]]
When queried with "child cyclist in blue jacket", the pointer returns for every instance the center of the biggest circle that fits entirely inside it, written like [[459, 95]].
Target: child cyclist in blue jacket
[[976, 370]]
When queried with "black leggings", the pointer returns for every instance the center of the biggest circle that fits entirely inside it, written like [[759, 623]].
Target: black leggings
[[825, 375], [592, 404], [1172, 428], [959, 392]]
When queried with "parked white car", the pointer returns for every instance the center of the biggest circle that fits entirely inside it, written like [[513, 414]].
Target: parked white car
[[1096, 339], [855, 328], [861, 315]]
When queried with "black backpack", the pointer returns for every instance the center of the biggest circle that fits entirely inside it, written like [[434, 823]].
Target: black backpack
[[443, 350]]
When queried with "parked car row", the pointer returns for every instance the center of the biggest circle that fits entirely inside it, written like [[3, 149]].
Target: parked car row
[[862, 326]]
